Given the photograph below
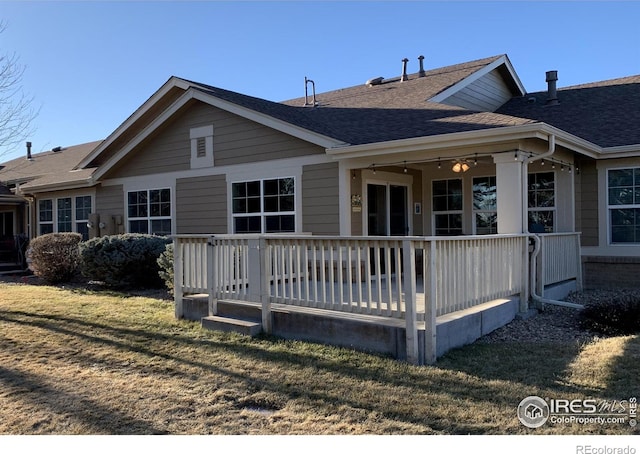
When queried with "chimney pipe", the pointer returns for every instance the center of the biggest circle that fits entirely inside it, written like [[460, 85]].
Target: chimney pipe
[[552, 93], [404, 70], [29, 151], [421, 73]]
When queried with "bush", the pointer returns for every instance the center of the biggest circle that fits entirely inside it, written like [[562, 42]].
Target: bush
[[165, 262], [55, 256], [128, 260], [619, 314]]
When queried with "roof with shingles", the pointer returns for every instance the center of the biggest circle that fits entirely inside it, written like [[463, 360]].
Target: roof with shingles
[[49, 167], [606, 113], [390, 111]]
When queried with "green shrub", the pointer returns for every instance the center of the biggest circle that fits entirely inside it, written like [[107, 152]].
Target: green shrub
[[55, 256], [616, 315], [128, 260], [165, 262]]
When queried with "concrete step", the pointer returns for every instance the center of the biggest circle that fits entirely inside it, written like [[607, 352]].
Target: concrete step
[[232, 325]]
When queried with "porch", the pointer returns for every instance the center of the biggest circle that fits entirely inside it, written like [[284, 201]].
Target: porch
[[412, 297]]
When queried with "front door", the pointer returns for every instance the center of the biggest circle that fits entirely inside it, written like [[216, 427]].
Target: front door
[[387, 210]]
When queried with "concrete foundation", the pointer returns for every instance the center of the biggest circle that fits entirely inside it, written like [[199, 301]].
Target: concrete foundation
[[360, 332]]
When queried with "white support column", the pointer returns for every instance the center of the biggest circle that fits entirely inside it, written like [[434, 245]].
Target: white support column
[[409, 258], [265, 284], [344, 195], [178, 278], [509, 187]]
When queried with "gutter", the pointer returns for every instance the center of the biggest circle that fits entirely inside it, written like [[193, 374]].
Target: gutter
[[536, 239]]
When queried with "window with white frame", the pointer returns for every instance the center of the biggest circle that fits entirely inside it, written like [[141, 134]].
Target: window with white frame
[[201, 146], [623, 201], [149, 211], [45, 216], [542, 202], [484, 205], [264, 206], [64, 214], [83, 209], [447, 206]]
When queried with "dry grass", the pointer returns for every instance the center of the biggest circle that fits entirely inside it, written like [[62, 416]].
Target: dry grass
[[83, 362]]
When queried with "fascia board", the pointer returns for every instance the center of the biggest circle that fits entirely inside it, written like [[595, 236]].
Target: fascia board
[[162, 91], [190, 94], [469, 138], [269, 121], [503, 60]]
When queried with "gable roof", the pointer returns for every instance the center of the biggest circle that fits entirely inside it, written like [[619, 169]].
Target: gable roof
[[49, 168], [606, 113]]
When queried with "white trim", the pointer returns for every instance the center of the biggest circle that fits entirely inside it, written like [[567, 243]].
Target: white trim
[[191, 93], [147, 183], [386, 179], [448, 212], [297, 203], [610, 207], [54, 208], [502, 60], [149, 218]]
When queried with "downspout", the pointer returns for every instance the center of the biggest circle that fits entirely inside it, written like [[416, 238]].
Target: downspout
[[536, 239]]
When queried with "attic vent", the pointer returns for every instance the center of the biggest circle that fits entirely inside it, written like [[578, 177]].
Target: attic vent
[[56, 149], [201, 147], [404, 70], [375, 81], [306, 92]]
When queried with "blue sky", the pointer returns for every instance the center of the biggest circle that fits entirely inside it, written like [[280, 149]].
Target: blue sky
[[89, 65]]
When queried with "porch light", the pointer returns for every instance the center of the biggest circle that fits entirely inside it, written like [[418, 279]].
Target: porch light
[[460, 167]]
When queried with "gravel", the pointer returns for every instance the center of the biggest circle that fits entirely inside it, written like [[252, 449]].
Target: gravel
[[555, 324]]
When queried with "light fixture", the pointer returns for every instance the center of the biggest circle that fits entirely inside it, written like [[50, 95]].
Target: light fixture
[[515, 155], [374, 168], [439, 164], [460, 166], [542, 163], [475, 160], [353, 174], [405, 167]]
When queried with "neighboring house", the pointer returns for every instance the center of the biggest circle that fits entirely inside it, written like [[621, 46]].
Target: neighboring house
[[459, 150]]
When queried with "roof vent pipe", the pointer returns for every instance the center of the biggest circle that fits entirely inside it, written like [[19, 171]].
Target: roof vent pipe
[[421, 73], [552, 93], [404, 70], [29, 151], [306, 93]]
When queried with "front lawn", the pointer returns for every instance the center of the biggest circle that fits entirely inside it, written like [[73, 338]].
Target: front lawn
[[74, 361]]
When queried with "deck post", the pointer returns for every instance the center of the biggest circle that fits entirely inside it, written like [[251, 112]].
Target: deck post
[[524, 292], [430, 285], [254, 277], [408, 256], [579, 284], [212, 272], [177, 278], [264, 281]]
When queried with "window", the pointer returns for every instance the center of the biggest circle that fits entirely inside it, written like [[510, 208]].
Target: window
[[83, 209], [541, 194], [623, 190], [484, 205], [264, 206], [64, 214], [65, 223], [447, 207], [45, 216], [149, 211]]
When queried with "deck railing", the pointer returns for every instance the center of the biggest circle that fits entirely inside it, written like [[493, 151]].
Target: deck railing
[[414, 279], [559, 260]]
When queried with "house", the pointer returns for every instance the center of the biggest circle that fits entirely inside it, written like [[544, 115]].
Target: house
[[449, 152], [378, 158]]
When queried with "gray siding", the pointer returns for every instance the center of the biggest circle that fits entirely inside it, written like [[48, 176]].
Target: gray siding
[[236, 140], [320, 199], [110, 200], [485, 94], [587, 209], [201, 205]]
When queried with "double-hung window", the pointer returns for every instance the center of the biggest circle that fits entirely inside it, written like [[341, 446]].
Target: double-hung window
[[485, 209], [65, 214], [149, 211], [264, 206], [623, 191], [542, 205], [447, 206]]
